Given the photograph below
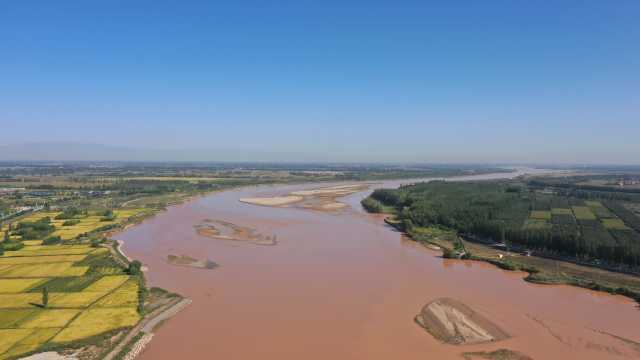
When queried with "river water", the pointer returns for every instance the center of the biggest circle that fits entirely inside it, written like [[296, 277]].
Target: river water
[[346, 286]]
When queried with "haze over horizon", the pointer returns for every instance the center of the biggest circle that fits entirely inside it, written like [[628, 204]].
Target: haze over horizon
[[411, 81]]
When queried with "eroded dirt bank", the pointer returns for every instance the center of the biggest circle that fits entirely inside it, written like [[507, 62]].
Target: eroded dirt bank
[[345, 286]]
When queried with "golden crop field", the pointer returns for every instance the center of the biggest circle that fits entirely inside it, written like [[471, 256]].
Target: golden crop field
[[74, 299], [561, 211], [47, 249], [57, 269], [50, 318], [107, 283], [583, 213], [16, 260], [96, 321], [124, 214], [93, 306], [50, 250], [540, 215], [22, 300], [10, 318], [33, 341], [32, 242], [9, 337], [8, 286], [86, 223], [593, 203], [615, 224], [126, 295]]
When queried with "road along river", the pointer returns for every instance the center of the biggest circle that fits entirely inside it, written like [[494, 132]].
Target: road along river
[[345, 286]]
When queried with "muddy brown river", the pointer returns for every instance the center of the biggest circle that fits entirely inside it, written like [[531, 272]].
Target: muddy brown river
[[345, 286]]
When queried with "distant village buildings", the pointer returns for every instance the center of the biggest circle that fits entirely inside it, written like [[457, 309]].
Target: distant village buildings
[[628, 182]]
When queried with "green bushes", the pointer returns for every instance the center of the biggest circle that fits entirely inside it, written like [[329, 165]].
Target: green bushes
[[371, 205], [108, 215], [12, 245], [34, 230], [70, 213], [71, 222], [52, 240]]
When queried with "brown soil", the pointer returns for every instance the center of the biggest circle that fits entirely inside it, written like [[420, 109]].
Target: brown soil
[[224, 230], [185, 260], [453, 322]]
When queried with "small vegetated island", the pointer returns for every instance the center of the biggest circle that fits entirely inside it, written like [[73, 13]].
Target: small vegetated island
[[561, 230]]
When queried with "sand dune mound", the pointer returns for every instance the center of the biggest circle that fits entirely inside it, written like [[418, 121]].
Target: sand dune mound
[[453, 322]]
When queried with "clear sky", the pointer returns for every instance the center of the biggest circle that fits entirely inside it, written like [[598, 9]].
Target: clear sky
[[447, 81]]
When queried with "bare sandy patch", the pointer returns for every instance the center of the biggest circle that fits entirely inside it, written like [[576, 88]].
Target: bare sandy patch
[[273, 201], [453, 322], [320, 199]]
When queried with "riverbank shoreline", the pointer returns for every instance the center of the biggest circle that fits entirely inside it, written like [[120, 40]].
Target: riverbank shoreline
[[534, 274]]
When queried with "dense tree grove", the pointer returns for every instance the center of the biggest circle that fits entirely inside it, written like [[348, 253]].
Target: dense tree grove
[[34, 230], [508, 211]]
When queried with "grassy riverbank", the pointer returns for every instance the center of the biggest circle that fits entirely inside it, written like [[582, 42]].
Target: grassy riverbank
[[540, 270]]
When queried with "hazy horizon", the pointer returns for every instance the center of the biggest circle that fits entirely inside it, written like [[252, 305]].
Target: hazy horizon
[[487, 82], [76, 152]]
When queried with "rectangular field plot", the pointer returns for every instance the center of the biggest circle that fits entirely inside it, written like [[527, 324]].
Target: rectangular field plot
[[561, 211], [11, 318], [50, 318], [126, 295], [12, 286], [24, 300], [107, 283], [46, 249], [49, 250], [599, 209], [536, 224], [67, 284], [74, 299], [540, 215], [616, 224], [59, 269], [9, 337], [583, 213], [592, 203], [32, 242], [96, 321], [124, 214], [40, 259], [33, 341]]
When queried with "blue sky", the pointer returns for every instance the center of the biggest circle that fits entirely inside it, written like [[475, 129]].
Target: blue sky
[[407, 81]]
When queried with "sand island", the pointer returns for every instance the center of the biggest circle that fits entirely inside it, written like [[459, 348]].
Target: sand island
[[321, 199]]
